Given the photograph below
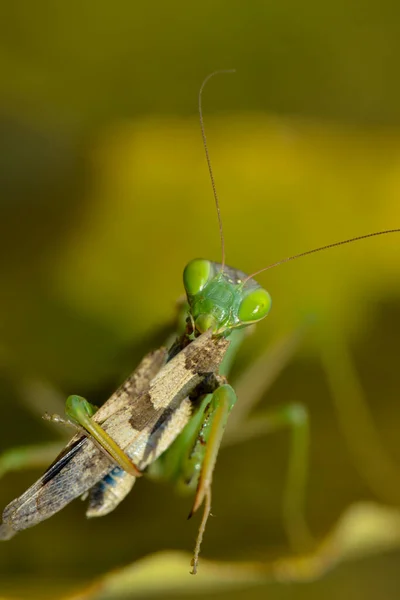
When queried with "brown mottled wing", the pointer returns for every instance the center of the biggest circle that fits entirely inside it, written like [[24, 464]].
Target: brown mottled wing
[[144, 427], [137, 383], [23, 509]]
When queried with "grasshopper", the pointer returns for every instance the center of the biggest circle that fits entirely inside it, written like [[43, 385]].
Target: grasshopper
[[169, 416]]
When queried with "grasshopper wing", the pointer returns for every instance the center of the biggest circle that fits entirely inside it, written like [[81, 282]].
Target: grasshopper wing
[[143, 426]]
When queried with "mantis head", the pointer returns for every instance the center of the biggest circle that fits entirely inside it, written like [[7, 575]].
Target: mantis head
[[223, 298]]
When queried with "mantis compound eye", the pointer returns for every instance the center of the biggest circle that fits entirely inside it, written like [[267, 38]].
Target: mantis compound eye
[[254, 306], [196, 275]]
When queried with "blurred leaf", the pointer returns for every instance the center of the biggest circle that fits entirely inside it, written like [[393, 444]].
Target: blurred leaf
[[364, 529]]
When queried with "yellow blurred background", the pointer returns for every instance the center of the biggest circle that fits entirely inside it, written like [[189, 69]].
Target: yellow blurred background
[[105, 196]]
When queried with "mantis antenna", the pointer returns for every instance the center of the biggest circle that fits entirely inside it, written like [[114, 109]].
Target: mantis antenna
[[217, 206], [203, 135], [295, 256]]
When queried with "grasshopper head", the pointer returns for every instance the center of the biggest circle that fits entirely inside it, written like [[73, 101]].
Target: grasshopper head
[[223, 298]]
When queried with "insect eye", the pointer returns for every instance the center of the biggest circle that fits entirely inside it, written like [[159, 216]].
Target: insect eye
[[196, 275], [255, 306]]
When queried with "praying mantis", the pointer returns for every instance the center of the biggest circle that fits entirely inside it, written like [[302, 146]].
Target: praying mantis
[[168, 419]]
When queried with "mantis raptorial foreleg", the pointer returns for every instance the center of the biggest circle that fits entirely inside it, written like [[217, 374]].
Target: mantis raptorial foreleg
[[40, 455], [81, 411], [205, 452], [252, 385]]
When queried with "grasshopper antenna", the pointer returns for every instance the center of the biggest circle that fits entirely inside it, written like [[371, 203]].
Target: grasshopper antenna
[[321, 248], [203, 135]]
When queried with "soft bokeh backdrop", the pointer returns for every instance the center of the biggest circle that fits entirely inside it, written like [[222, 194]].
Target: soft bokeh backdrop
[[104, 196]]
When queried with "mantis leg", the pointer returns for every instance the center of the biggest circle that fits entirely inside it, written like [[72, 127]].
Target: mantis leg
[[252, 385], [209, 439], [204, 453], [294, 417], [40, 455], [81, 411], [191, 459], [28, 457], [35, 455], [371, 458]]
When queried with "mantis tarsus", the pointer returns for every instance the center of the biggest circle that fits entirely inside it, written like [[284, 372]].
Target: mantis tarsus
[[169, 417]]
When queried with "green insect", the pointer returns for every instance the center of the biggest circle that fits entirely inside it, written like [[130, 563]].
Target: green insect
[[168, 418]]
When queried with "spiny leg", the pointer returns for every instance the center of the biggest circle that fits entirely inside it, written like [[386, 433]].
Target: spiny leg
[[294, 417], [190, 460], [251, 386], [373, 461], [204, 455], [81, 411], [258, 378], [40, 455], [34, 394], [33, 456], [200, 534], [113, 488], [28, 457]]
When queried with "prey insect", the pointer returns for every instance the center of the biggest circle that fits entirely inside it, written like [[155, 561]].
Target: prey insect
[[169, 416]]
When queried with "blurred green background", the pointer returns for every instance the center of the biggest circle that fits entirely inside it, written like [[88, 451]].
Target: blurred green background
[[104, 197]]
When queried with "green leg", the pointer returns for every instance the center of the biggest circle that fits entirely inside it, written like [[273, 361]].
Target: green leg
[[35, 456], [204, 454], [40, 455], [42, 395], [253, 384], [29, 457], [371, 458], [190, 460], [209, 439], [81, 411], [295, 418], [258, 378]]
